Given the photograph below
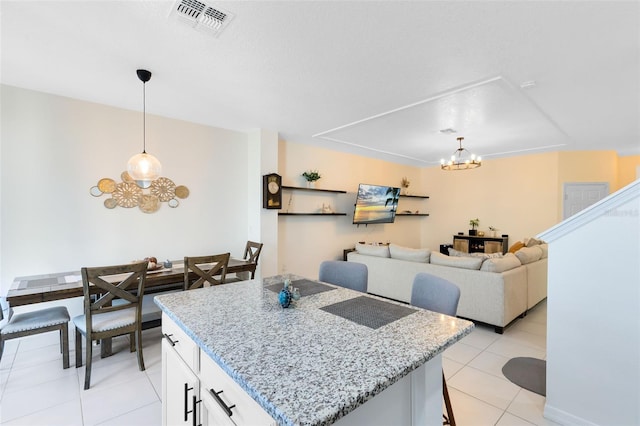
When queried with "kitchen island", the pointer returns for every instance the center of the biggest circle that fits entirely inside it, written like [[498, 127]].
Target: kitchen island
[[314, 363]]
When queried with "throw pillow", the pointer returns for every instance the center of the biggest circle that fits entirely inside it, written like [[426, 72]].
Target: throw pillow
[[371, 250], [410, 254], [458, 253], [515, 247], [529, 254], [455, 261], [505, 263], [532, 242]]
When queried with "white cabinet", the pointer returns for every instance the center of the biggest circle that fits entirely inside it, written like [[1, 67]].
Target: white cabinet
[[180, 389], [196, 391]]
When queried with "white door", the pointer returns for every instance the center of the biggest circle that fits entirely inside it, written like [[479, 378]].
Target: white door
[[579, 195]]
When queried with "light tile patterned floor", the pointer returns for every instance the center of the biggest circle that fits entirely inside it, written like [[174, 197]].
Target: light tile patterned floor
[[35, 390]]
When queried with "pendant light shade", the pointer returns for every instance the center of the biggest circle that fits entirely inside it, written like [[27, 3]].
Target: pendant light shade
[[144, 167]]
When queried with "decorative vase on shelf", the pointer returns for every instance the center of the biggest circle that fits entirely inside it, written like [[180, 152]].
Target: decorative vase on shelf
[[473, 232], [311, 184]]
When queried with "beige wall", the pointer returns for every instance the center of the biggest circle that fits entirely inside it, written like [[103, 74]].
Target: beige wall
[[628, 170], [305, 241], [521, 196], [517, 195]]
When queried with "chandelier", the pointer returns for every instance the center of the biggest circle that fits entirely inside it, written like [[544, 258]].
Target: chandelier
[[461, 159], [144, 168]]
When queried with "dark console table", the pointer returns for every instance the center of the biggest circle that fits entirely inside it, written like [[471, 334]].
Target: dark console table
[[475, 244]]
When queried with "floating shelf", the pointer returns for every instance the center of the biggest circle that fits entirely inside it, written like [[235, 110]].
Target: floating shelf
[[311, 214], [299, 188], [412, 214], [414, 196]]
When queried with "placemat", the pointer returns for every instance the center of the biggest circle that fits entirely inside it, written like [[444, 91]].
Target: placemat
[[372, 313], [306, 287]]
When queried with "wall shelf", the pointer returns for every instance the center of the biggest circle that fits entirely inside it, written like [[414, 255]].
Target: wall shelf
[[412, 214], [299, 188], [311, 214], [414, 196]]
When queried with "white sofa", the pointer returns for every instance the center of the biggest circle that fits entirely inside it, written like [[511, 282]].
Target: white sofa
[[495, 298]]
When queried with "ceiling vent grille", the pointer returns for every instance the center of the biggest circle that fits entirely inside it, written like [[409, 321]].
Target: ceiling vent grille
[[201, 16]]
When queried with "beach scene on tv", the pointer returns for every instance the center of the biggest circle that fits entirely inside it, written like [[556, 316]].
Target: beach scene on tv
[[376, 204]]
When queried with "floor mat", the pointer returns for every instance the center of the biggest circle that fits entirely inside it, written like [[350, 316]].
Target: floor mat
[[528, 373]]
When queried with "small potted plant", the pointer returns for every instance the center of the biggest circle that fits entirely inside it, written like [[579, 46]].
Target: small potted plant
[[473, 223], [311, 176], [405, 186], [494, 231]]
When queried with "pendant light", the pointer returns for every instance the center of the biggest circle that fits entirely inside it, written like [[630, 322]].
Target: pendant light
[[461, 159], [143, 167]]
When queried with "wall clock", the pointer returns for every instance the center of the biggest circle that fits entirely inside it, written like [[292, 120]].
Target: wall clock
[[272, 191]]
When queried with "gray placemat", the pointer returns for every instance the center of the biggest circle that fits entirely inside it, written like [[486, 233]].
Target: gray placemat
[[306, 287], [372, 313]]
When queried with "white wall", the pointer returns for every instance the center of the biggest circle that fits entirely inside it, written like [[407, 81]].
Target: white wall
[[593, 336], [54, 149]]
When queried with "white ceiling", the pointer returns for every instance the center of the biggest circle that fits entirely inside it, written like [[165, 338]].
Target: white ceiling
[[374, 78]]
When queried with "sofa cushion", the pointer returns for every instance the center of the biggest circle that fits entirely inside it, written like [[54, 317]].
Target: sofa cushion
[[529, 254], [545, 250], [410, 254], [371, 250], [455, 261], [501, 264]]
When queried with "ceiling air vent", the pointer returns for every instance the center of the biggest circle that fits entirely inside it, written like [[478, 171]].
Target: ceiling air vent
[[201, 16]]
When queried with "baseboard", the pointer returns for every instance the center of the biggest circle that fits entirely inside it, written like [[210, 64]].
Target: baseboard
[[564, 418]]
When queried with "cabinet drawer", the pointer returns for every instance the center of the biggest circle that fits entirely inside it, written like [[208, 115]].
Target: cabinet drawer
[[184, 346], [214, 380]]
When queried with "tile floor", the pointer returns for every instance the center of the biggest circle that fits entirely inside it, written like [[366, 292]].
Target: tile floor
[[35, 390]]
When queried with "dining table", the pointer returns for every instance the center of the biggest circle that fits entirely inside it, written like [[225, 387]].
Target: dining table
[[65, 285]]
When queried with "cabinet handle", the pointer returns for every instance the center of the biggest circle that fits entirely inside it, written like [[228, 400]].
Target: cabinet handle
[[186, 401], [221, 403], [195, 410], [171, 342]]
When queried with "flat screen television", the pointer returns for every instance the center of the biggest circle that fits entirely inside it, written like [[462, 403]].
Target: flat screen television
[[375, 204]]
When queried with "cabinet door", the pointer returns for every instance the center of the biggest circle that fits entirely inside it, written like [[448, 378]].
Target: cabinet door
[[179, 386], [241, 408], [461, 245]]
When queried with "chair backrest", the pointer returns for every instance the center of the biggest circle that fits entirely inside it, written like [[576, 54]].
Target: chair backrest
[[351, 275], [124, 282], [435, 294], [252, 252], [205, 268]]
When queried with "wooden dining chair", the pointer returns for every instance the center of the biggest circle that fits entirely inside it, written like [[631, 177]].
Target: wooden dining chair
[[438, 295], [251, 254], [35, 322], [205, 269], [351, 275], [103, 319]]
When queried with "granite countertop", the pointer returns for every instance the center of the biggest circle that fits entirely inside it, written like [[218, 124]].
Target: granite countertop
[[304, 365]]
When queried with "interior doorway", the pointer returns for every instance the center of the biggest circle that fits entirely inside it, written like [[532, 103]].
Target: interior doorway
[[579, 195]]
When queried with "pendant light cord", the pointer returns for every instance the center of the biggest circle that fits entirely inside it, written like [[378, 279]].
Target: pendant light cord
[[144, 117]]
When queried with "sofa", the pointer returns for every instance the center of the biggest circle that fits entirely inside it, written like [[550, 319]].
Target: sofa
[[495, 289]]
